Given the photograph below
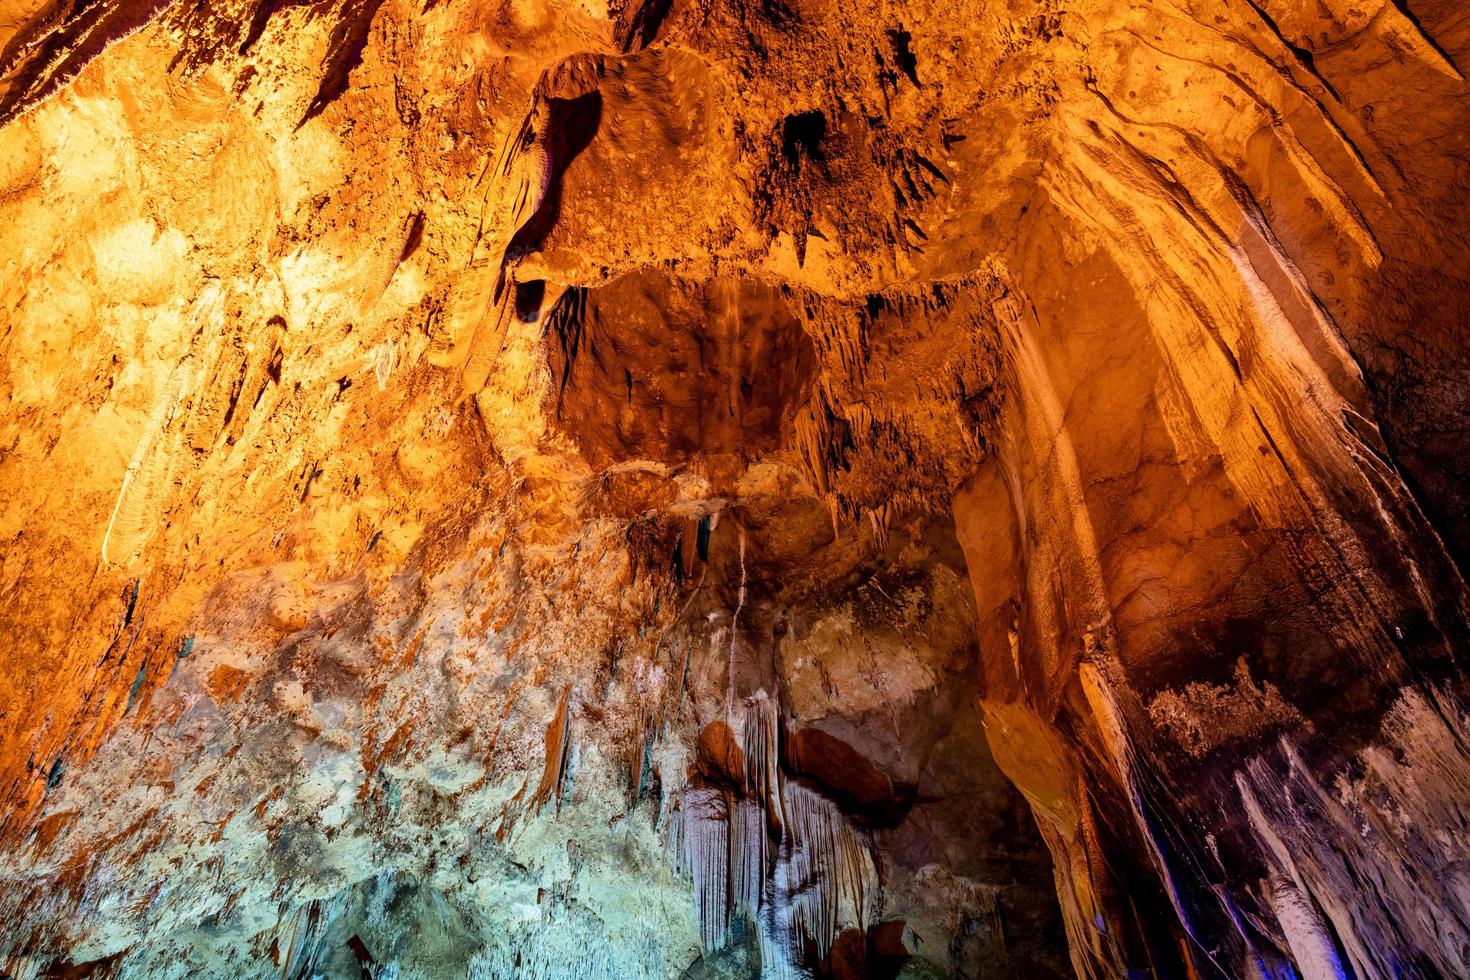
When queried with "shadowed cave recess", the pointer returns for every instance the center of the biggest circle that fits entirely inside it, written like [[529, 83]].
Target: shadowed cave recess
[[734, 489]]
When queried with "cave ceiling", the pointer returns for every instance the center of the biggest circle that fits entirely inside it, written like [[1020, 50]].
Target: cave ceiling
[[734, 488]]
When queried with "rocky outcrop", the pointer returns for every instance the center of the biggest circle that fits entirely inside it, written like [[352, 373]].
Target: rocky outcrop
[[733, 489]]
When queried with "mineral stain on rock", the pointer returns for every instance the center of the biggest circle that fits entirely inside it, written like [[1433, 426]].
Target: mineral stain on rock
[[770, 488]]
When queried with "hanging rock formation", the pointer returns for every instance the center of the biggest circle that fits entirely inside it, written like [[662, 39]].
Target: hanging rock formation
[[678, 488]]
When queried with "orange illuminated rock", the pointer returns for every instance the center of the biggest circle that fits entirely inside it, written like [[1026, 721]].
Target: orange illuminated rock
[[939, 489]]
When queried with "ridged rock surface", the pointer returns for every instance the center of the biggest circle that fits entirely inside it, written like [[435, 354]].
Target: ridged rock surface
[[734, 488]]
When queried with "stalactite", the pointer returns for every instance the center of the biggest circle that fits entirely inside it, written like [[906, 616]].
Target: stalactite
[[707, 844], [818, 879], [1155, 309], [988, 908], [1307, 936], [558, 739], [749, 857], [830, 879], [760, 731], [735, 634]]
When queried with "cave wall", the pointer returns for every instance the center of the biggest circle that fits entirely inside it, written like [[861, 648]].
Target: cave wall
[[460, 465]]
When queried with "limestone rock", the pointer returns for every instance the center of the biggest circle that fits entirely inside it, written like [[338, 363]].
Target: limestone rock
[[675, 488]]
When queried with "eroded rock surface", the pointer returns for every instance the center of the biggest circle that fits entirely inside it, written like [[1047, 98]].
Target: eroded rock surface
[[731, 489]]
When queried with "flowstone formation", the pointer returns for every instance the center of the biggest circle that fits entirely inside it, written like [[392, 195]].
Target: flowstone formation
[[722, 489]]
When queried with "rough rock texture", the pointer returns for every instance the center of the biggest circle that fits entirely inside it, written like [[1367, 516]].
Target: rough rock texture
[[720, 488]]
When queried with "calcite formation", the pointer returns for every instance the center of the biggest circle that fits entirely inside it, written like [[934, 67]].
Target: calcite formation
[[734, 488]]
